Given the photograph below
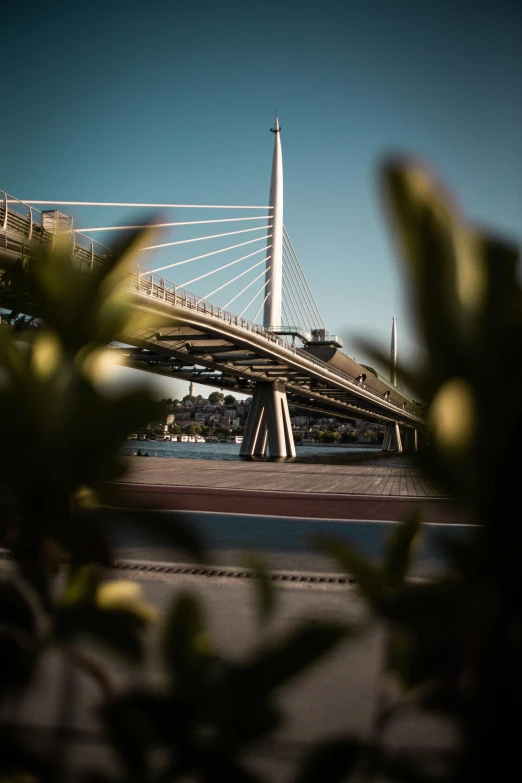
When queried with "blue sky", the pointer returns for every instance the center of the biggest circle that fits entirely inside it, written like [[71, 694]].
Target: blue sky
[[172, 102]]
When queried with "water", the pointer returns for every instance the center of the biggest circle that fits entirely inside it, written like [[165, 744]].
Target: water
[[230, 451]]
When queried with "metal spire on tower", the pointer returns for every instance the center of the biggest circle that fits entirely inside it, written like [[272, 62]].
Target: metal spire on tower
[[274, 271], [393, 353]]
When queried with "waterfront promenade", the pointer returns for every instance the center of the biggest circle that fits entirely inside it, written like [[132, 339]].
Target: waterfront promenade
[[373, 487]]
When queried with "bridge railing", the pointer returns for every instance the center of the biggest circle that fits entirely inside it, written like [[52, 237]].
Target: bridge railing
[[150, 283], [22, 229]]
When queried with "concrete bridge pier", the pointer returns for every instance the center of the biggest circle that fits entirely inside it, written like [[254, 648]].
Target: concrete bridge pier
[[411, 439], [268, 423], [392, 438]]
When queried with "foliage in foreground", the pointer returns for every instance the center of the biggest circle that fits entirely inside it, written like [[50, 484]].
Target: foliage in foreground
[[453, 644], [57, 596]]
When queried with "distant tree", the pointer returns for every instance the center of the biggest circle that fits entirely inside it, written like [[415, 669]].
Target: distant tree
[[216, 397], [229, 399], [188, 398], [328, 437]]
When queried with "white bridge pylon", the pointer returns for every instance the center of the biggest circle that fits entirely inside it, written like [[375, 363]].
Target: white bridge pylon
[[274, 272], [284, 297], [268, 425]]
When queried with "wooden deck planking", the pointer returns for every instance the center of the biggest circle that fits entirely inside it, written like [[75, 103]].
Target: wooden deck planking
[[358, 479]]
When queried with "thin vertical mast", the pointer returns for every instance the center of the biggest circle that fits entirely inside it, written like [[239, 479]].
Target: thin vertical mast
[[272, 312], [393, 353]]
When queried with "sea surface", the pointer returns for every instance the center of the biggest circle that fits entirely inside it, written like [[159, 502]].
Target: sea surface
[[230, 451]]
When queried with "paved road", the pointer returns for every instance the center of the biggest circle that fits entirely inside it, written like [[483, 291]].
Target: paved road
[[287, 543], [337, 697]]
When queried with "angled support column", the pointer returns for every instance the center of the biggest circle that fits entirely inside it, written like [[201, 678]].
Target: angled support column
[[411, 439], [392, 438], [268, 423]]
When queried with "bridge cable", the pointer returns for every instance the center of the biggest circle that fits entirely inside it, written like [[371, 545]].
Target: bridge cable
[[234, 279], [133, 204], [260, 306], [301, 293], [285, 314], [254, 297], [299, 301], [315, 320], [293, 253], [296, 319], [286, 296], [220, 268], [164, 225], [289, 241], [206, 255], [227, 305], [210, 236]]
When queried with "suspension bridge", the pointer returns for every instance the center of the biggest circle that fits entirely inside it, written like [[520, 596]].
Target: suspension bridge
[[201, 330]]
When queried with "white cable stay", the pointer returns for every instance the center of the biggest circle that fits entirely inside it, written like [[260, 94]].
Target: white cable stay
[[234, 279], [289, 242], [210, 236], [286, 322], [293, 314], [299, 293], [295, 320], [260, 306], [206, 255], [165, 225], [231, 263], [254, 297], [227, 305], [294, 298], [135, 204], [293, 292]]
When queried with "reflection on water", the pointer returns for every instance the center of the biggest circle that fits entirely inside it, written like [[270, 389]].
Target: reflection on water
[[320, 454]]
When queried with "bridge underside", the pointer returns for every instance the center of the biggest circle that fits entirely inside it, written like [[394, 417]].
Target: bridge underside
[[189, 342]]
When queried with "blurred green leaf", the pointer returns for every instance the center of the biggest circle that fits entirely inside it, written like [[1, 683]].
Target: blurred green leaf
[[332, 761], [153, 527], [353, 564], [15, 608], [400, 549], [214, 767], [263, 585], [81, 585], [186, 647], [278, 663], [118, 630]]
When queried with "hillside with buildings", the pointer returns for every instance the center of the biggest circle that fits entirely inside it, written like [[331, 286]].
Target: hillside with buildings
[[220, 416]]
